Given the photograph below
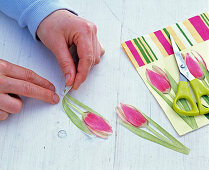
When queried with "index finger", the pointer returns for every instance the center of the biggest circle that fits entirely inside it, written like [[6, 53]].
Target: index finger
[[28, 89], [18, 72]]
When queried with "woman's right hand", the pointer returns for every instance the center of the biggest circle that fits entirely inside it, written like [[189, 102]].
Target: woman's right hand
[[16, 80]]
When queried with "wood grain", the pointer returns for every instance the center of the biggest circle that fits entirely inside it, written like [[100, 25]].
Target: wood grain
[[41, 137]]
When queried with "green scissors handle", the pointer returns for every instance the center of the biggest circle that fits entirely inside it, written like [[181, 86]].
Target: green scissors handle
[[183, 92], [200, 90]]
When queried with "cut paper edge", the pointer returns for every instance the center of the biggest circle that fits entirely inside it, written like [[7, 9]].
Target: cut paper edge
[[187, 34], [184, 33]]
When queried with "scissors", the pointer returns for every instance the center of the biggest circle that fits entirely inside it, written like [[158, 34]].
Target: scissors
[[183, 91]]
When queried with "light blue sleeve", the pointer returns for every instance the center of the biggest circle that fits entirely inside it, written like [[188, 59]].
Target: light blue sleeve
[[30, 13]]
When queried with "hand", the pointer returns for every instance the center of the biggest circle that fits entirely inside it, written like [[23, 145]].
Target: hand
[[60, 30], [16, 80]]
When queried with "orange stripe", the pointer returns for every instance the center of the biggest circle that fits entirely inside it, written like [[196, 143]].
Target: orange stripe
[[158, 44], [206, 13], [129, 54], [193, 31], [169, 41], [177, 40], [204, 20]]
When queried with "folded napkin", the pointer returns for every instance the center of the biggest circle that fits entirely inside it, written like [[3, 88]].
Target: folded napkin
[[153, 58]]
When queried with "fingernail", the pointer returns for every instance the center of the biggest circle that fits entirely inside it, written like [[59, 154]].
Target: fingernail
[[56, 98], [3, 116], [75, 87], [101, 45], [52, 88], [102, 50], [67, 79]]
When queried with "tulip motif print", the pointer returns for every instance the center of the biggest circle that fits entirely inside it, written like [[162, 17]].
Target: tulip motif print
[[129, 115], [198, 68], [159, 79], [164, 84], [194, 66]]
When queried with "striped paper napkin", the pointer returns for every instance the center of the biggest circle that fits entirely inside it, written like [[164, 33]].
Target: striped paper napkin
[[155, 49]]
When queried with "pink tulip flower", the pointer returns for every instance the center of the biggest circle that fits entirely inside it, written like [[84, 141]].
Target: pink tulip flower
[[97, 125], [159, 79], [199, 58], [194, 66], [129, 115]]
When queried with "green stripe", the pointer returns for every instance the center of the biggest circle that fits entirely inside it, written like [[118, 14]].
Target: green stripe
[[141, 50], [202, 16], [149, 48], [184, 34], [145, 49], [166, 32], [206, 16], [168, 35]]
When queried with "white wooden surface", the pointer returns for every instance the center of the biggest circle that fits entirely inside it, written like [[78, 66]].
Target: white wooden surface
[[41, 137]]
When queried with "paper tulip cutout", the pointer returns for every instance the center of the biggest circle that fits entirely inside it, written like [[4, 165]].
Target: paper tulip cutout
[[93, 122], [133, 120], [97, 125], [199, 58], [158, 78], [194, 66], [130, 115]]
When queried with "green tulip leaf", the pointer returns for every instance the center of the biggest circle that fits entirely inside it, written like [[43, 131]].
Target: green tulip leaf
[[158, 134], [162, 95], [190, 120], [205, 71], [163, 131], [74, 118], [206, 98], [82, 105], [154, 139], [173, 83], [174, 86]]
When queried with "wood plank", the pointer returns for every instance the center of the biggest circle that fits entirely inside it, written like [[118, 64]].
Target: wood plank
[[41, 137]]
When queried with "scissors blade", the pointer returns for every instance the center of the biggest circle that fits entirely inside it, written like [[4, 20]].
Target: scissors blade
[[181, 63]]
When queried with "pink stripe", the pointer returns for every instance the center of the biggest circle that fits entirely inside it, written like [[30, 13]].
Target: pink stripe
[[164, 42], [135, 53], [200, 26]]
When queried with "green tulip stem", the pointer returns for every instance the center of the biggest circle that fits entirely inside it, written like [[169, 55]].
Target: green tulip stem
[[148, 136], [205, 83], [158, 134], [74, 107], [171, 95], [85, 107], [178, 102], [180, 105], [74, 118]]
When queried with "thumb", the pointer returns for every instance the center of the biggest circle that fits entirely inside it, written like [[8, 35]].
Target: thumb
[[65, 60]]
